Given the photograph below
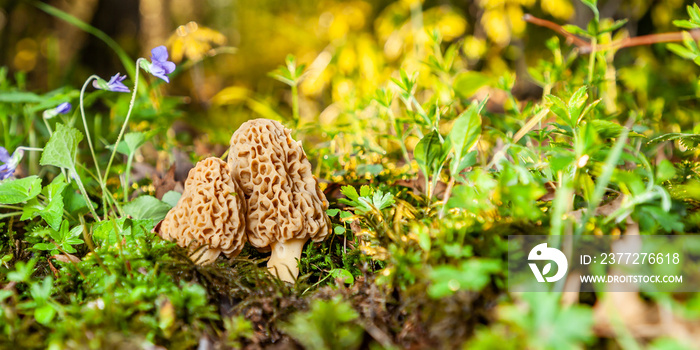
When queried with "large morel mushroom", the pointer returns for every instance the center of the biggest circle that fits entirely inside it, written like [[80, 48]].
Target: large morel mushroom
[[209, 218], [286, 208]]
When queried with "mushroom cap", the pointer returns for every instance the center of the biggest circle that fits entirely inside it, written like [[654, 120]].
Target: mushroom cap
[[210, 213], [284, 200]]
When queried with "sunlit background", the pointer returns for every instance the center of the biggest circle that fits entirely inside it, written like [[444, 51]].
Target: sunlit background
[[225, 49]]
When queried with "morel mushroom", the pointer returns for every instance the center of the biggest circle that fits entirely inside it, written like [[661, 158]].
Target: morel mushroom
[[209, 217], [286, 208]]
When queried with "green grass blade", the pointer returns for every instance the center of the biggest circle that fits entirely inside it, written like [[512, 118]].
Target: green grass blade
[[604, 179]]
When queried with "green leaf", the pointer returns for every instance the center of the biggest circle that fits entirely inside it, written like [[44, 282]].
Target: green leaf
[[559, 108], [381, 200], [44, 246], [350, 192], [427, 151], [681, 51], [471, 275], [577, 102], [55, 187], [20, 97], [171, 197], [339, 230], [574, 29], [147, 207], [41, 291], [132, 141], [327, 325], [74, 202], [343, 274], [20, 190], [684, 24], [688, 140], [615, 26], [44, 314], [23, 271], [467, 83], [53, 213], [62, 147], [31, 209], [665, 171], [365, 191], [465, 133]]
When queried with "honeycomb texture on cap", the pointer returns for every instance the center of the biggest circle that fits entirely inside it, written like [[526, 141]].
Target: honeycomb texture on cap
[[284, 200], [211, 211]]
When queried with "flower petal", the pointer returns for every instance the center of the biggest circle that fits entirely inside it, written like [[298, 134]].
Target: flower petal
[[159, 54], [168, 67], [63, 108], [4, 155], [162, 76]]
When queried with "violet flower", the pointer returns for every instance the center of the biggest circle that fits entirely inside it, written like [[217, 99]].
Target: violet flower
[[63, 108], [159, 67], [10, 162], [115, 84]]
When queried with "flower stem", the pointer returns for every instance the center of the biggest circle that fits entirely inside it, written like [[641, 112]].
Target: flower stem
[[87, 131], [85, 195], [126, 120], [48, 127], [34, 149]]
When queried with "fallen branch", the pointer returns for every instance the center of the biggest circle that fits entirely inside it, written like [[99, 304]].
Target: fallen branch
[[586, 47]]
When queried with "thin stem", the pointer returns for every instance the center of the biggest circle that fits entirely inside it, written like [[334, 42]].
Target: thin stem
[[591, 61], [2, 216], [557, 28], [428, 190], [107, 198], [103, 186], [33, 161], [31, 149], [126, 120], [448, 192], [399, 135], [85, 195], [87, 131], [585, 47], [48, 127], [295, 104], [126, 177]]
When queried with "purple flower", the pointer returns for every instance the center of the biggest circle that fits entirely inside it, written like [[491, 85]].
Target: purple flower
[[10, 162], [160, 66], [115, 84], [63, 108]]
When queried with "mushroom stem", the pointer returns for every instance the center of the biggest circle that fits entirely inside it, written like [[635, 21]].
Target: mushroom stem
[[283, 262], [205, 256]]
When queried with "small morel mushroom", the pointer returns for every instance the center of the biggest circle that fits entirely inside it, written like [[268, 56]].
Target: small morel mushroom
[[209, 217], [286, 208]]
